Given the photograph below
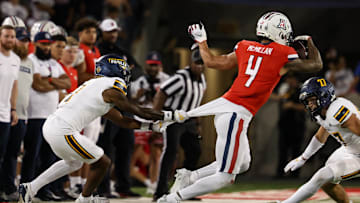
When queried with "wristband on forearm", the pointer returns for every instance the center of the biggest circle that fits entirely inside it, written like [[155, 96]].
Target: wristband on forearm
[[312, 148], [168, 116]]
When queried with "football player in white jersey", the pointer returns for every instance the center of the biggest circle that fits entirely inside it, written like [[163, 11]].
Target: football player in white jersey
[[339, 118], [102, 96]]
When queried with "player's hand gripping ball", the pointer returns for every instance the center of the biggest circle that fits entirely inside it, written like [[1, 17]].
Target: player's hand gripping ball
[[300, 45]]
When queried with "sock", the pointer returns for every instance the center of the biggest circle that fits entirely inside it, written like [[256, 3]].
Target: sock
[[203, 172], [112, 185], [205, 185], [321, 177], [147, 182], [74, 180], [55, 171]]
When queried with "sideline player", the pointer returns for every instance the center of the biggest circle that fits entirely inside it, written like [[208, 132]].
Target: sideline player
[[260, 66], [339, 118], [94, 98]]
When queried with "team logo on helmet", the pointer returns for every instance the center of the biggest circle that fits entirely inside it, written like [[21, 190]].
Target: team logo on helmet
[[282, 24], [121, 62], [98, 69]]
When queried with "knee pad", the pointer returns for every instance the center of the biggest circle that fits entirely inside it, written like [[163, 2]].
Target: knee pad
[[74, 164]]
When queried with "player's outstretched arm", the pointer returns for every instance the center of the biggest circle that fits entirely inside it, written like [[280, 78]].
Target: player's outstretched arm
[[312, 64], [221, 62], [315, 144], [198, 33], [122, 103], [125, 122]]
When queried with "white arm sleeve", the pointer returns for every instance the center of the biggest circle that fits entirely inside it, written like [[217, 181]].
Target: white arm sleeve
[[312, 148]]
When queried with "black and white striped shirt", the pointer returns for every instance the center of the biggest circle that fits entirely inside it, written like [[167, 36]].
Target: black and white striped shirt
[[184, 91]]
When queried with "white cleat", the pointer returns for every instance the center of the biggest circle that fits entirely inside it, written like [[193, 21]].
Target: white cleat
[[182, 180], [98, 199], [92, 199], [164, 199], [25, 193]]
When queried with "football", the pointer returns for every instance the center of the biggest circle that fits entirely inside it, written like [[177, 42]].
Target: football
[[301, 48]]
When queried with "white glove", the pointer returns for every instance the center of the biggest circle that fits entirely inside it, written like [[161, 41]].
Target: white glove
[[160, 126], [302, 37], [197, 32], [295, 164], [180, 116]]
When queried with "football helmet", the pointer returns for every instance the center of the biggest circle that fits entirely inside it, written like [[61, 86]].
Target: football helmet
[[112, 65], [322, 89], [14, 21], [275, 26], [42, 26]]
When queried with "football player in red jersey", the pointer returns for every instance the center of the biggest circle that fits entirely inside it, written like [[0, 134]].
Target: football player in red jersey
[[86, 29], [260, 66]]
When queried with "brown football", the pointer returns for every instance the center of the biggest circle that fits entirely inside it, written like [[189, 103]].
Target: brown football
[[300, 47]]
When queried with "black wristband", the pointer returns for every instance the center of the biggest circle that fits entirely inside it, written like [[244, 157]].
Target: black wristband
[[13, 109]]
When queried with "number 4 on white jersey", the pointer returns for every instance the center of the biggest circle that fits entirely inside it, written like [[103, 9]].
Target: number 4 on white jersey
[[252, 71]]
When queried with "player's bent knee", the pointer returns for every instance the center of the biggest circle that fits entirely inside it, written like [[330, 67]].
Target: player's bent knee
[[226, 178]]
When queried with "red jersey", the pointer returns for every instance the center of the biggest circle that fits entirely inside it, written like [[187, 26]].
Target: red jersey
[[73, 75], [31, 48], [259, 72], [90, 56]]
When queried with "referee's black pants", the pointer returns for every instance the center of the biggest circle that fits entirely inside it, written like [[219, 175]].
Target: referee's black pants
[[123, 141], [184, 134]]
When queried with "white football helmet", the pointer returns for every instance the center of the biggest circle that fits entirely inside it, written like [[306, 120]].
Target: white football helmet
[[42, 26], [13, 21], [275, 26]]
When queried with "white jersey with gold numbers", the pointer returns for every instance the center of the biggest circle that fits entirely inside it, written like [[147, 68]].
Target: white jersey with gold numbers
[[86, 103], [337, 114]]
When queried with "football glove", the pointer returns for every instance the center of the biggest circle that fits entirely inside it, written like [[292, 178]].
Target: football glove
[[295, 164], [197, 32], [302, 37], [160, 126], [178, 116]]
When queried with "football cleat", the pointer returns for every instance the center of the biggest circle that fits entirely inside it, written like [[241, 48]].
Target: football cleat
[[182, 180], [25, 193], [164, 199]]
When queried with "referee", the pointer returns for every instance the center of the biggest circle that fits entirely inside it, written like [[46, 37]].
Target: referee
[[184, 90]]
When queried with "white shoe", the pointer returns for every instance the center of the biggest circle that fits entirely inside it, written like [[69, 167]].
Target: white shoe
[[182, 180], [25, 195], [92, 199], [98, 199], [150, 189], [163, 199]]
